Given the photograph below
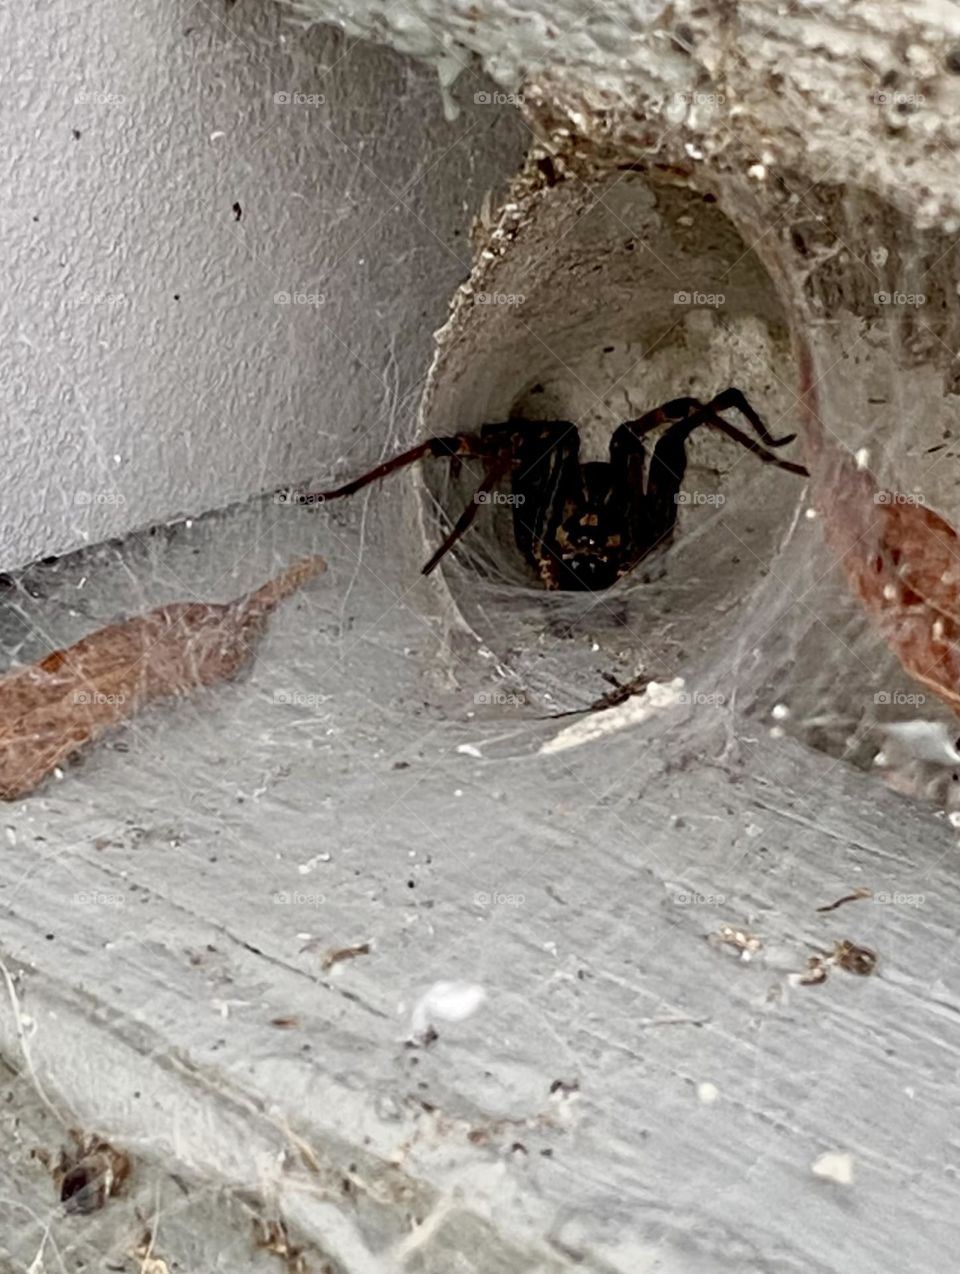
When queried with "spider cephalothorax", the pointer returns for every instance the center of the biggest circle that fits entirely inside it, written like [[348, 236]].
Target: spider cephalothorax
[[583, 526]]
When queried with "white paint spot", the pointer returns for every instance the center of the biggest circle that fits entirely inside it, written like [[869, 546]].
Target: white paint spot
[[834, 1165], [469, 749], [780, 712], [890, 592], [810, 514], [446, 1002], [757, 171], [707, 1093], [862, 458]]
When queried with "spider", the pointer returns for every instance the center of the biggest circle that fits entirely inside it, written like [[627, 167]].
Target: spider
[[582, 525]]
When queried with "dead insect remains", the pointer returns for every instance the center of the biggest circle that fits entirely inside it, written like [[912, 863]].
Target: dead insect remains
[[582, 526], [88, 1173]]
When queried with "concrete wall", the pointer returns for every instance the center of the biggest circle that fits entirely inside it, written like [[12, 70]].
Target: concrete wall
[[163, 188]]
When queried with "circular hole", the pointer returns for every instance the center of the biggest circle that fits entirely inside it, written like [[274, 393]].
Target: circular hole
[[610, 301]]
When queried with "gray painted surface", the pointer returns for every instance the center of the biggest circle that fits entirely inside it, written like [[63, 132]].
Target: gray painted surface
[[147, 369], [171, 898]]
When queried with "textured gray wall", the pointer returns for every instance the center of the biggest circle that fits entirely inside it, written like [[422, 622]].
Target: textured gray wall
[[147, 370]]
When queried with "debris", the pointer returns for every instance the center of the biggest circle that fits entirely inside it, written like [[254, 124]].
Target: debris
[[748, 944], [656, 696], [815, 974], [272, 1237], [89, 1173], [336, 954], [845, 955], [143, 1253], [564, 1088], [854, 897], [859, 960], [445, 1002]]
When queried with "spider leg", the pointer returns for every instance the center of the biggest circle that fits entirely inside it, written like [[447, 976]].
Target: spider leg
[[710, 418], [669, 464], [735, 400], [682, 409], [496, 471], [454, 445]]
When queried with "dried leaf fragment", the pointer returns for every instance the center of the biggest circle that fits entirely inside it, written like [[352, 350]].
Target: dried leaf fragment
[[52, 708], [902, 562]]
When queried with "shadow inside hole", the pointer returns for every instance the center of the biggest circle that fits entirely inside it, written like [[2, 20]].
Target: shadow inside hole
[[626, 301]]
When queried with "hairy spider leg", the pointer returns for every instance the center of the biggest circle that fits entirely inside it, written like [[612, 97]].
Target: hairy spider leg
[[493, 475], [465, 445], [681, 409]]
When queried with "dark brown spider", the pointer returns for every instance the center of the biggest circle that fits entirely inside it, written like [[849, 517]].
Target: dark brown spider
[[582, 526]]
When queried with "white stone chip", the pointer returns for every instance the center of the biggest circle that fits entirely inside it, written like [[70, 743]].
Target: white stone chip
[[834, 1165]]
